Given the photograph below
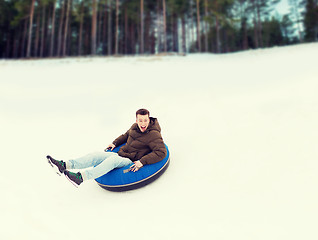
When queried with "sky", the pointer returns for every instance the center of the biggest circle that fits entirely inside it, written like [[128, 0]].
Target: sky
[[283, 7]]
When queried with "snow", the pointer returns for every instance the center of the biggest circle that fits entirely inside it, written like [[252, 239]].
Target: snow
[[241, 129]]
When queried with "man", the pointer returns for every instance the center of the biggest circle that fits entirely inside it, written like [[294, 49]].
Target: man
[[144, 145]]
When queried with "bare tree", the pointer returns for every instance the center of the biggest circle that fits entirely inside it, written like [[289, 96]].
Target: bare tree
[[126, 31], [198, 26], [116, 31], [94, 25], [80, 38], [259, 24], [183, 33], [141, 26], [255, 22], [109, 41], [66, 27], [30, 29], [59, 40], [43, 29], [25, 30], [206, 25], [37, 35], [164, 24], [52, 29], [217, 26], [191, 21]]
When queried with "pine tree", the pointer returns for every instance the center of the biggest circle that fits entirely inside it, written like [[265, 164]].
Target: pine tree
[[311, 21], [66, 27], [287, 29], [273, 35], [295, 6]]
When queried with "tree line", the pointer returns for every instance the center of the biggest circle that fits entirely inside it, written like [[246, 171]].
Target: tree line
[[59, 28]]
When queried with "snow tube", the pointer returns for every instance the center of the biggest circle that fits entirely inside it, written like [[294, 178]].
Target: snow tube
[[121, 179]]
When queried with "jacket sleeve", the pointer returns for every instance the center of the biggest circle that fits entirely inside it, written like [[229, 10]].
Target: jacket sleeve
[[158, 151], [121, 139]]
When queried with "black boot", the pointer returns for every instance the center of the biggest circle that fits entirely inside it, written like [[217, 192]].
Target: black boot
[[59, 166], [75, 178]]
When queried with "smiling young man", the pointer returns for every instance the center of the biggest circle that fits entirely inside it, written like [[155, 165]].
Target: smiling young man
[[144, 145]]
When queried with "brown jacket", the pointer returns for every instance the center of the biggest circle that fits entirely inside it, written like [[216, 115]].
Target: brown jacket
[[148, 146]]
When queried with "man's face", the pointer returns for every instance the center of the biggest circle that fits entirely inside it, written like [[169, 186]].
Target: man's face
[[143, 122]]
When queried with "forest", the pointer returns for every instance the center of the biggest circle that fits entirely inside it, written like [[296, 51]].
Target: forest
[[64, 28]]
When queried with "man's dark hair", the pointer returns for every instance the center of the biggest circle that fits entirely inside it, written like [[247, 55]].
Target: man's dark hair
[[143, 112]]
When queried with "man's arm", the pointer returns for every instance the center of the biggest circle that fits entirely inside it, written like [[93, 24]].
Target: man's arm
[[121, 139], [158, 151]]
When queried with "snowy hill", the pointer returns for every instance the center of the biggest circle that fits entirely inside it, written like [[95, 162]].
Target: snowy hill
[[241, 129]]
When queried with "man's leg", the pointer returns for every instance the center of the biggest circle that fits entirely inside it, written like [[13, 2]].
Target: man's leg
[[89, 160], [113, 161]]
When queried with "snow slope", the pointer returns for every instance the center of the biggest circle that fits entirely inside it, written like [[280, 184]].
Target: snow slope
[[241, 129]]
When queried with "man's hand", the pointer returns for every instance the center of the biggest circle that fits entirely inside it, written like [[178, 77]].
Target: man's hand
[[136, 166], [110, 147]]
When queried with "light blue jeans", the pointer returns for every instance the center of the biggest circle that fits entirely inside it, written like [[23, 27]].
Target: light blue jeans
[[104, 162]]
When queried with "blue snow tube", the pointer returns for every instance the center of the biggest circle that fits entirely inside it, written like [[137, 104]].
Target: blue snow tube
[[121, 179]]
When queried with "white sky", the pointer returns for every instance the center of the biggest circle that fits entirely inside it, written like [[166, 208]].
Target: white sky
[[283, 7]]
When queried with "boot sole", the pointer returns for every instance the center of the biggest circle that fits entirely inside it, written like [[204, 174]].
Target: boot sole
[[74, 183]]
